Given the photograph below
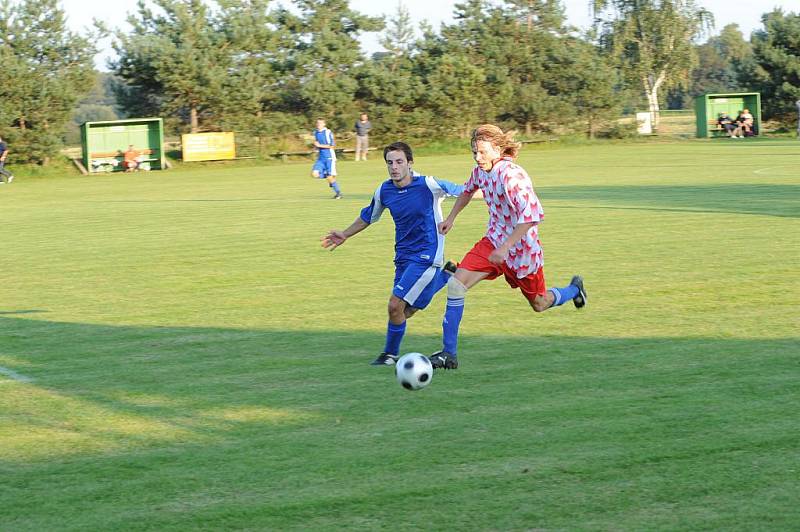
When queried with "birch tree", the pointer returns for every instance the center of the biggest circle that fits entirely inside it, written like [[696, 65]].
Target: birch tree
[[652, 41]]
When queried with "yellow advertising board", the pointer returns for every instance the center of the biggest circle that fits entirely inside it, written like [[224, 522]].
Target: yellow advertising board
[[208, 146]]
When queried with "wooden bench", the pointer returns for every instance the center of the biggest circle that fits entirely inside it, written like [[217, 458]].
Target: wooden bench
[[717, 130], [120, 153], [108, 160], [284, 155]]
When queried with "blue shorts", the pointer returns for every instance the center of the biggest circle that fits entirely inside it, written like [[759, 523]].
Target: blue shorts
[[325, 167], [417, 283]]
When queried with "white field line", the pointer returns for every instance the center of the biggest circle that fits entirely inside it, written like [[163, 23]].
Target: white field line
[[11, 374], [761, 171]]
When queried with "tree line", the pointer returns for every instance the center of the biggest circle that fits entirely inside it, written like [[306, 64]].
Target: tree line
[[266, 71]]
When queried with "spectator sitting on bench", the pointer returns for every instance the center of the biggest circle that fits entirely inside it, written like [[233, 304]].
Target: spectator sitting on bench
[[131, 159], [746, 121], [744, 124], [726, 122]]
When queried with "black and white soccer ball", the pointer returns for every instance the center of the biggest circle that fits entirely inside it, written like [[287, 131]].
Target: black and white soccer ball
[[414, 371]]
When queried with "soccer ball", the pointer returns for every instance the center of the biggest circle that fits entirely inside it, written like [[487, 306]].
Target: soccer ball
[[414, 371]]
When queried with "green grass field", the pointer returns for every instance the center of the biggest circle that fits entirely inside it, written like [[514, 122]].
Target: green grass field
[[178, 352]]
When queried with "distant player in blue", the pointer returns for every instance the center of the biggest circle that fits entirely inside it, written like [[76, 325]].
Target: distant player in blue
[[414, 202], [325, 167]]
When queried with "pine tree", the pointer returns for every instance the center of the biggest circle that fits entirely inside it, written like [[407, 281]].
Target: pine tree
[[592, 87], [46, 70], [509, 54], [319, 79], [775, 67], [398, 39], [386, 85], [173, 63], [252, 84]]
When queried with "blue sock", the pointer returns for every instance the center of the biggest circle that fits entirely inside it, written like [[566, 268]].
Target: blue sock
[[452, 320], [564, 294], [394, 335], [335, 187]]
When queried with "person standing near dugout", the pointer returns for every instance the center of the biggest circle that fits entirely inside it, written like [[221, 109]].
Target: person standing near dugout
[[362, 127], [511, 247], [9, 177]]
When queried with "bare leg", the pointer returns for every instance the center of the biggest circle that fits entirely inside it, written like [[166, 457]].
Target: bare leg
[[543, 302], [469, 278], [399, 310]]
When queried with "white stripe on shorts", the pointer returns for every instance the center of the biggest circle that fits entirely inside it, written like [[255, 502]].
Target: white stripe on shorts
[[421, 284]]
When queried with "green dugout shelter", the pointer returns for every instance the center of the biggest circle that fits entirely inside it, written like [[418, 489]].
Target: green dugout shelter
[[105, 142], [708, 107]]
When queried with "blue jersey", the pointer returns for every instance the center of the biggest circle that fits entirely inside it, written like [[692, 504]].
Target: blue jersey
[[325, 137], [417, 211]]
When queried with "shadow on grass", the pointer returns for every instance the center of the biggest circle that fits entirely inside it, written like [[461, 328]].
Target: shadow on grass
[[238, 428], [177, 375], [778, 200]]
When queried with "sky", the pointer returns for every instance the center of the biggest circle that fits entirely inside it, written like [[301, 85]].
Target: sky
[[746, 13]]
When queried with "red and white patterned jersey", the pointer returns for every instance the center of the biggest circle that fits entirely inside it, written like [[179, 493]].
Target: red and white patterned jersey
[[508, 192]]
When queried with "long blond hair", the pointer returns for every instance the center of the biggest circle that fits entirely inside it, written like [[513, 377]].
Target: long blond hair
[[493, 134]]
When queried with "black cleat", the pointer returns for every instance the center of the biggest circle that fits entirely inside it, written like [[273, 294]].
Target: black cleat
[[337, 196], [581, 299], [450, 267], [384, 359], [442, 359]]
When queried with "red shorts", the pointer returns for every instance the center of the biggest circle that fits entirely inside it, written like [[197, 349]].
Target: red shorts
[[477, 260]]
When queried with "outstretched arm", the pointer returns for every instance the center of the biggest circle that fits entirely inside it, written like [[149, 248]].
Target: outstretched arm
[[462, 201], [336, 238]]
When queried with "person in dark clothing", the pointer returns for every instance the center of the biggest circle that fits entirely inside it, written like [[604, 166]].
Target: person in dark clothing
[[9, 177], [726, 122]]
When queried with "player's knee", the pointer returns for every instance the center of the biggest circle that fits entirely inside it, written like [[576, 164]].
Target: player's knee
[[397, 307], [315, 174], [456, 289], [540, 304]]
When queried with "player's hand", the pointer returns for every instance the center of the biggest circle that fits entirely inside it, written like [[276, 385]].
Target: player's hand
[[498, 255], [445, 226], [333, 239]]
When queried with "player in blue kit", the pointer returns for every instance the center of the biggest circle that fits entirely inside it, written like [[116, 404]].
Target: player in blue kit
[[414, 202], [325, 167]]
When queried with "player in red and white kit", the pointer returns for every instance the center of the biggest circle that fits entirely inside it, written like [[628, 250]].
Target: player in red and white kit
[[511, 247]]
